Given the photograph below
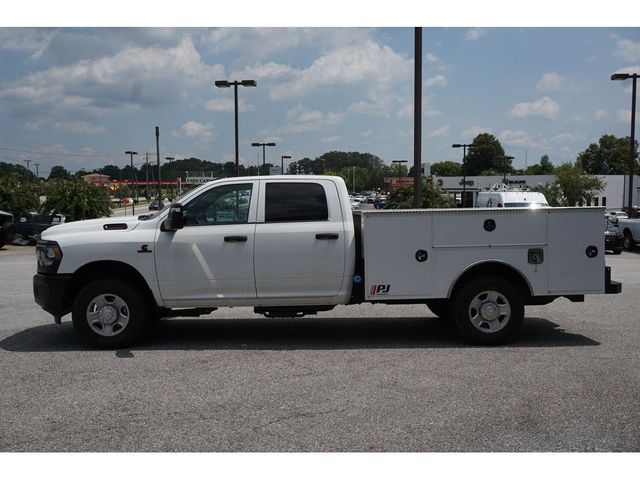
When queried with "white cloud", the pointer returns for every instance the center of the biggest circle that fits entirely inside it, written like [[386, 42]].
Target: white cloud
[[519, 138], [201, 132], [366, 133], [370, 64], [33, 126], [627, 49], [127, 80], [476, 33], [474, 131], [331, 139], [260, 71], [79, 128], [545, 107], [437, 81], [564, 138], [601, 114], [623, 116], [443, 131], [300, 119], [226, 104], [550, 81], [431, 58]]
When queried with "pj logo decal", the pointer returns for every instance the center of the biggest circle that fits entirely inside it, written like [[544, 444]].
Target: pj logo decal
[[380, 289]]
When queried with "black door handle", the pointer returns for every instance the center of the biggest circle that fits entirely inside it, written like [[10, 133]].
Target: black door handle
[[235, 238], [327, 236]]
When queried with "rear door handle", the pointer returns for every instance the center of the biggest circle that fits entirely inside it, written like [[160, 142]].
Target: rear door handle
[[235, 238], [327, 236]]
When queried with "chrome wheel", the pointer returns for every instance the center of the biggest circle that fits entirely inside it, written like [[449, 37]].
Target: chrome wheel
[[489, 311], [107, 315]]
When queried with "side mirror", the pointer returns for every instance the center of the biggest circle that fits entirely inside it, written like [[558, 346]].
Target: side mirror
[[175, 219]]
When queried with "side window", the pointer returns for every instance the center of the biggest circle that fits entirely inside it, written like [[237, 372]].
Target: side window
[[295, 202], [220, 205]]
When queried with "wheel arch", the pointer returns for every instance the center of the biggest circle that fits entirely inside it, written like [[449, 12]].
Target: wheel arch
[[109, 269], [495, 268]]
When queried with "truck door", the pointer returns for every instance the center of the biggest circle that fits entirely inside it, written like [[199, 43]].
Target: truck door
[[300, 239], [211, 259]]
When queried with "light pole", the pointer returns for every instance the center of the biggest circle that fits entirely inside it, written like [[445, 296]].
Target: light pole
[[263, 145], [282, 162], [505, 159], [353, 174], [632, 156], [464, 147], [227, 84], [131, 154], [170, 159]]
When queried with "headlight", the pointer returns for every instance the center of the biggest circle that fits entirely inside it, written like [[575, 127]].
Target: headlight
[[49, 256]]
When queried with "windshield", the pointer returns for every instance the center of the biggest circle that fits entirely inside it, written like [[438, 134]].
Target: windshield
[[609, 225], [149, 216], [525, 205]]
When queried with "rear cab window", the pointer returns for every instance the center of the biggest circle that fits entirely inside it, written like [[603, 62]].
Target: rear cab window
[[295, 202]]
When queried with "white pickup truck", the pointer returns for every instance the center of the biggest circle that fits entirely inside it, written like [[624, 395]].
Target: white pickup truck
[[630, 228], [291, 246]]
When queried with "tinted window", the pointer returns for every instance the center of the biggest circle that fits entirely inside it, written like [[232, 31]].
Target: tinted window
[[224, 204], [295, 202]]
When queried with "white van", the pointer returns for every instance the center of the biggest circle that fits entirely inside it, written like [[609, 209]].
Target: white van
[[510, 199]]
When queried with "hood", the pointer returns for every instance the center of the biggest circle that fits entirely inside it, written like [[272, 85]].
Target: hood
[[121, 224]]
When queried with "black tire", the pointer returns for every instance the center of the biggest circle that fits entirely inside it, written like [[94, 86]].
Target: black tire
[[628, 242], [441, 307], [617, 251], [119, 299], [494, 296]]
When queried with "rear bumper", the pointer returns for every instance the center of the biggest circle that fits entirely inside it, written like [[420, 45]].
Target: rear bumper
[[51, 293], [611, 286]]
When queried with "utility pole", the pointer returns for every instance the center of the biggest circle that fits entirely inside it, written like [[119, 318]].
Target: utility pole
[[146, 171], [158, 159], [417, 119], [171, 159], [28, 169]]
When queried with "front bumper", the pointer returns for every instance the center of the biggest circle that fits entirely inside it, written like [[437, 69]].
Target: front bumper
[[613, 242], [51, 293]]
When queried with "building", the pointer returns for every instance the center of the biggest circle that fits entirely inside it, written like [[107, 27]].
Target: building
[[614, 196], [97, 179]]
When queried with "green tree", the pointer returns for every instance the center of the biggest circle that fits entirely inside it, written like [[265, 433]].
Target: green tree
[[609, 156], [572, 186], [77, 199], [17, 196], [432, 197], [486, 153], [59, 172], [446, 169], [545, 167], [20, 170]]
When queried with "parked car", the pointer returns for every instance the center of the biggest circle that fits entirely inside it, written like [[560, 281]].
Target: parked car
[[156, 205], [379, 202], [7, 230], [35, 223], [613, 236], [510, 199]]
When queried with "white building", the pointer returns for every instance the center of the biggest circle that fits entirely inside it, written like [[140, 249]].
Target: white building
[[614, 196]]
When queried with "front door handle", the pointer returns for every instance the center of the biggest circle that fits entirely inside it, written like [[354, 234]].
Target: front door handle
[[327, 236], [235, 238]]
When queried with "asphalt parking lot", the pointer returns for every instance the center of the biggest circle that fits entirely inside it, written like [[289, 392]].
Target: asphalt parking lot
[[364, 378]]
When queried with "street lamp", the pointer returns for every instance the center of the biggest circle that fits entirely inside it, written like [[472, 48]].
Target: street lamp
[[263, 145], [170, 159], [131, 154], [227, 84], [632, 157], [282, 162], [464, 147], [504, 167]]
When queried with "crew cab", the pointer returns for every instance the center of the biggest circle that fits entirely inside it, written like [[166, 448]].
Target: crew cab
[[291, 246]]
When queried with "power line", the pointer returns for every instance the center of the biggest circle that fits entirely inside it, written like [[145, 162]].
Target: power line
[[35, 152]]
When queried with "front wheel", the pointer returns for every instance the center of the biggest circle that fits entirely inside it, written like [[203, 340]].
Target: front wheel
[[617, 251], [488, 310], [109, 313], [628, 242]]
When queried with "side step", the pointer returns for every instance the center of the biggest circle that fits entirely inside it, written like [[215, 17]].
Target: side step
[[292, 312], [185, 312]]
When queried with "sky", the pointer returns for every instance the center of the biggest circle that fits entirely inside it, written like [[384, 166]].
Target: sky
[[81, 97]]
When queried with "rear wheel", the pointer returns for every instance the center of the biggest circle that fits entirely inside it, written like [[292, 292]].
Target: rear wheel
[[109, 313], [628, 244], [488, 310]]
